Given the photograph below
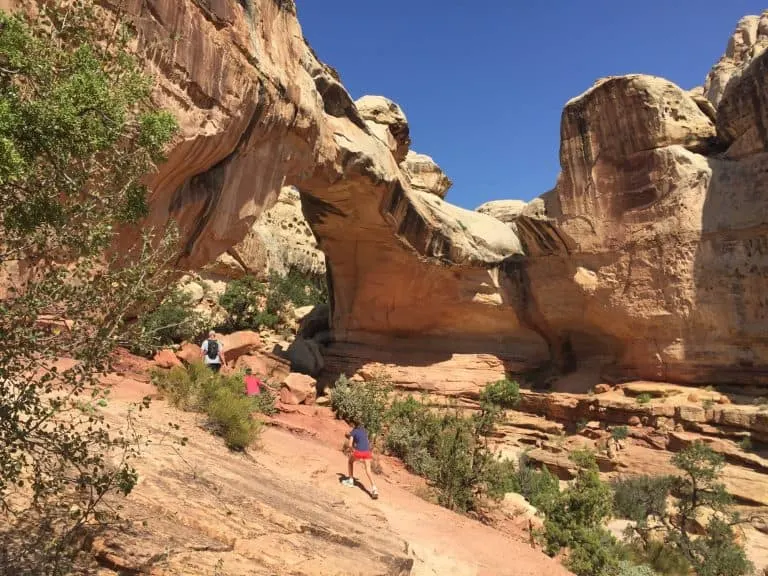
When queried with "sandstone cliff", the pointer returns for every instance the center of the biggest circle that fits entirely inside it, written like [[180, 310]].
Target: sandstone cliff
[[647, 258]]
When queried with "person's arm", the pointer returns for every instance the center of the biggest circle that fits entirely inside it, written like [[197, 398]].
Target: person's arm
[[348, 445]]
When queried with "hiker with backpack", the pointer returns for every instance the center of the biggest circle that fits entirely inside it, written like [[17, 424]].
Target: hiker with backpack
[[212, 352], [359, 450]]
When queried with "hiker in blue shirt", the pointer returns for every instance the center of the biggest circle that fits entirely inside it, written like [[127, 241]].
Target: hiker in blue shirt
[[359, 449]]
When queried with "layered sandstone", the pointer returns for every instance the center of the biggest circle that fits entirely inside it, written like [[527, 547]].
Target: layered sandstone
[[647, 257]]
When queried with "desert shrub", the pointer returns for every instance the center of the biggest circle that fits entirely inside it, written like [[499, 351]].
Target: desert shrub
[[362, 402], [78, 136], [643, 500], [619, 432], [173, 321], [451, 449], [574, 520], [221, 398], [539, 487], [412, 433], [627, 568], [745, 444], [244, 300], [296, 288], [251, 304], [644, 398]]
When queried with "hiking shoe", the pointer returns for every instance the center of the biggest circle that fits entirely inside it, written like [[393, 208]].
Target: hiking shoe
[[348, 482]]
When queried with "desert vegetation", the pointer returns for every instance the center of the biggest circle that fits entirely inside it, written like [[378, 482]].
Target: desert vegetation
[[451, 448], [78, 134]]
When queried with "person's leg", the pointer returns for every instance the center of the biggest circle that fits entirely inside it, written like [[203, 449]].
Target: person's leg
[[351, 466], [367, 464]]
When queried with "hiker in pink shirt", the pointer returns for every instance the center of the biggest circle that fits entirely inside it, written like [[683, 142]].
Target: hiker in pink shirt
[[252, 384]]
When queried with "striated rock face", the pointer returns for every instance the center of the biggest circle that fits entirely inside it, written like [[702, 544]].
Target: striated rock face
[[648, 256], [651, 251], [747, 42], [250, 97]]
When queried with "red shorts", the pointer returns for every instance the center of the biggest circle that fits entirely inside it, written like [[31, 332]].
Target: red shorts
[[362, 455]]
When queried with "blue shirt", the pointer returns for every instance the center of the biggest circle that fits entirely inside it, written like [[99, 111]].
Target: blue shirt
[[360, 440]]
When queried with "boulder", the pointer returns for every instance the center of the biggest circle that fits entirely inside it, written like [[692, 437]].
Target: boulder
[[424, 175], [267, 366], [239, 344], [193, 291], [387, 122], [166, 359], [315, 322], [281, 240], [189, 353], [305, 357], [505, 210], [226, 266], [302, 311], [748, 41], [298, 389]]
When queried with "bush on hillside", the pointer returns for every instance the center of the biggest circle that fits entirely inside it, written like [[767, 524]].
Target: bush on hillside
[[173, 321], [251, 304], [451, 449], [539, 487], [361, 402], [222, 398], [574, 520]]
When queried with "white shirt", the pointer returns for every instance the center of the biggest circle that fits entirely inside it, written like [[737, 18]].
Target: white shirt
[[206, 359]]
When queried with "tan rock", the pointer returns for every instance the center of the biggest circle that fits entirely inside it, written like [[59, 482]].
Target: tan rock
[[424, 175], [505, 210], [267, 366], [239, 344], [602, 388], [281, 240], [189, 353], [390, 117], [166, 359], [747, 42], [298, 389], [226, 266]]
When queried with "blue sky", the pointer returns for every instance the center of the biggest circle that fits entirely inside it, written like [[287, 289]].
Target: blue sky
[[483, 83]]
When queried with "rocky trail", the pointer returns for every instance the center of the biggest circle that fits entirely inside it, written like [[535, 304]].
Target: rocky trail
[[200, 509]]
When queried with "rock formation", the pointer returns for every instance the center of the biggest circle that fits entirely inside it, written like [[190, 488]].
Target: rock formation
[[646, 259], [279, 240], [424, 175], [747, 42]]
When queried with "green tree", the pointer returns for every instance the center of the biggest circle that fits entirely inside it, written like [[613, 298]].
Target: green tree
[[78, 135], [696, 490]]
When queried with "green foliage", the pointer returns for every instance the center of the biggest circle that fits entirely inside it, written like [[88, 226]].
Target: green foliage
[[244, 300], [251, 304], [626, 568], [574, 520], [173, 321], [452, 450], [222, 398], [539, 487], [698, 488], [619, 432], [745, 444], [362, 403], [644, 398], [78, 135], [708, 403]]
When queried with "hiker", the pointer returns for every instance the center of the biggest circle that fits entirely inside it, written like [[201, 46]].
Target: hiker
[[252, 383], [213, 352], [359, 448]]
